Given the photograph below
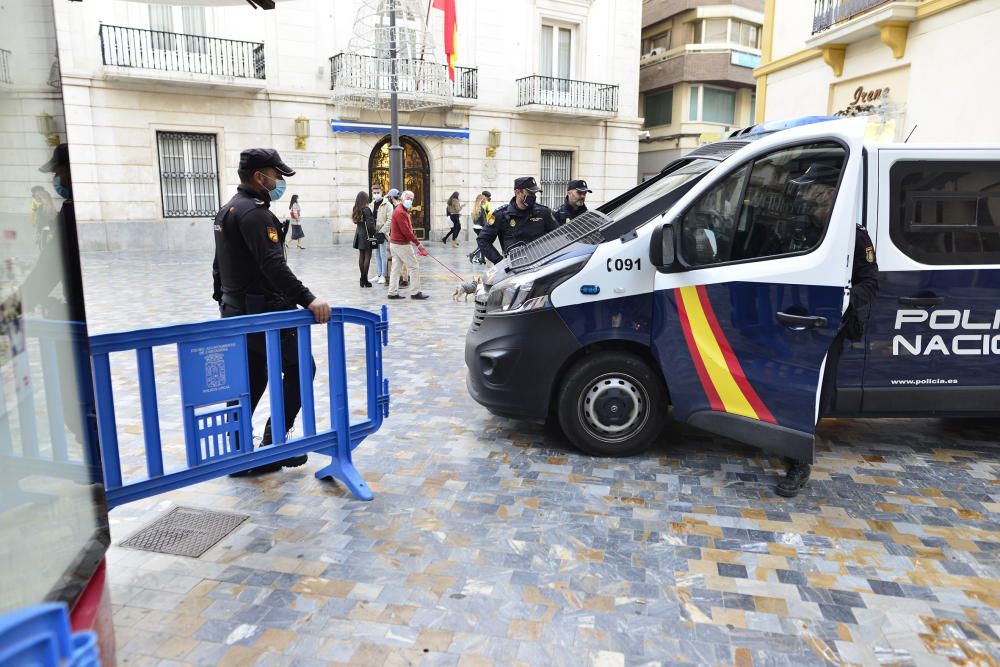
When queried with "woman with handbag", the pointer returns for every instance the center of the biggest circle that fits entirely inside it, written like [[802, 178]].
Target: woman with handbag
[[295, 211], [364, 235]]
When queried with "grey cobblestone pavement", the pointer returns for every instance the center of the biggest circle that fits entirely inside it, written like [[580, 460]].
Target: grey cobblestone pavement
[[494, 542]]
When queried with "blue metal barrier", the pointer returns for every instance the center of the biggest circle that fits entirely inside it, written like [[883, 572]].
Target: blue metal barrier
[[40, 636], [215, 394]]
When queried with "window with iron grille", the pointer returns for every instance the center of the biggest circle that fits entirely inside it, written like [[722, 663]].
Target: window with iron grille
[[189, 174], [555, 176]]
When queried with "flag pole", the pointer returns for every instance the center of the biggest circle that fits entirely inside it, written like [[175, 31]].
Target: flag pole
[[395, 150]]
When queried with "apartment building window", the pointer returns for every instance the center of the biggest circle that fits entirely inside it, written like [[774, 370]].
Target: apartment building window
[[556, 57], [555, 176], [189, 174], [727, 31], [659, 108], [659, 41], [745, 34], [161, 20], [712, 105]]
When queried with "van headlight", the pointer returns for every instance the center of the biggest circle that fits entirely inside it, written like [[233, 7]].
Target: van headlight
[[519, 297]]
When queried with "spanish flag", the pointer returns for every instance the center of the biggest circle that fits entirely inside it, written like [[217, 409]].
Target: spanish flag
[[450, 33]]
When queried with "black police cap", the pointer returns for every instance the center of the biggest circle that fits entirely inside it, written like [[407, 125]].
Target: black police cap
[[579, 186], [60, 158], [526, 183], [258, 158]]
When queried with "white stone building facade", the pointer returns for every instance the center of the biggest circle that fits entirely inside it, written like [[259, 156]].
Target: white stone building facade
[[161, 99], [931, 62]]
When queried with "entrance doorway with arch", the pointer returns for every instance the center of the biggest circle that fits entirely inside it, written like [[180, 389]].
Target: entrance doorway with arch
[[416, 177]]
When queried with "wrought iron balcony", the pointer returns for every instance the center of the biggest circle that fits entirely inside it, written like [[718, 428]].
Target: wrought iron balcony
[[5, 66], [176, 52], [359, 72], [567, 93], [828, 13]]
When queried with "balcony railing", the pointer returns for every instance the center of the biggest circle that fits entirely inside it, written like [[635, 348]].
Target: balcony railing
[[357, 71], [581, 95], [828, 13], [176, 52], [5, 66]]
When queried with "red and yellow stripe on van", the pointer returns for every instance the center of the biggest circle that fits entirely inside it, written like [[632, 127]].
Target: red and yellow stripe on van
[[718, 368]]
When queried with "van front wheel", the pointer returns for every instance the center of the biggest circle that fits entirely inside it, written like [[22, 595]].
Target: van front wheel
[[612, 404]]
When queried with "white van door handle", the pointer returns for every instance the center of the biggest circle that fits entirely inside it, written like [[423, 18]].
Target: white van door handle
[[801, 322]]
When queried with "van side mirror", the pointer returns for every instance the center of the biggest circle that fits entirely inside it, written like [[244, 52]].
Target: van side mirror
[[662, 253]]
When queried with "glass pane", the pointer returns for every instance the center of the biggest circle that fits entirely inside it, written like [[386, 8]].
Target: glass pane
[[789, 201], [715, 30], [547, 50], [698, 32], [708, 227], [659, 108], [946, 212], [662, 41], [53, 529], [693, 103], [719, 106], [565, 43]]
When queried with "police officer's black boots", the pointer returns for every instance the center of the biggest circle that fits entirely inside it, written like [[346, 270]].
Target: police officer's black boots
[[794, 480]]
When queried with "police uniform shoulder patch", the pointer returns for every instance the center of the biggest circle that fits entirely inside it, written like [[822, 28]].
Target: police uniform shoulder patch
[[870, 255], [272, 234]]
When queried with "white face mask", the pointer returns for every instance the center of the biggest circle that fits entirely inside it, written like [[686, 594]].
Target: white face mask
[[377, 198]]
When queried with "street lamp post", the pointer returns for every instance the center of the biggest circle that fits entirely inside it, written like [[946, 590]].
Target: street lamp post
[[395, 150]]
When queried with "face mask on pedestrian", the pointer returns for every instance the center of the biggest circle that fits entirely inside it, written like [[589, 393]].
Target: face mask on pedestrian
[[377, 197], [407, 204], [279, 188], [60, 188]]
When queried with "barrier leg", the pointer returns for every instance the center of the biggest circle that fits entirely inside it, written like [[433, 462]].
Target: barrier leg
[[341, 467]]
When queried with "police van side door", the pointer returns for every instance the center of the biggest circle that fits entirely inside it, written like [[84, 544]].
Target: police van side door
[[933, 335], [744, 320]]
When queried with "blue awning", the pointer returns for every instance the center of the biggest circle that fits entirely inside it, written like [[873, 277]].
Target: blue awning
[[411, 130]]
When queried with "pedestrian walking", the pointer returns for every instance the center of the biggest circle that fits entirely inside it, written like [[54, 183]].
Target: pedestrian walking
[[364, 235], [381, 233], [519, 222], [295, 212], [575, 202], [455, 215], [250, 276], [482, 214], [402, 240]]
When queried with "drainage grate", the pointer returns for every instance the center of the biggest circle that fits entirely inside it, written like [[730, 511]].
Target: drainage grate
[[185, 531]]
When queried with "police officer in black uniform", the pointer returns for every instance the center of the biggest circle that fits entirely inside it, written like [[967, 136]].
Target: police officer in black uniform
[[864, 289], [517, 223], [251, 276], [575, 202]]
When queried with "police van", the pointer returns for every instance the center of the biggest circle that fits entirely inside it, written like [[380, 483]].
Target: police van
[[715, 290]]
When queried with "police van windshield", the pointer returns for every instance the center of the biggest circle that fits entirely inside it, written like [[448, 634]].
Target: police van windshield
[[661, 186]]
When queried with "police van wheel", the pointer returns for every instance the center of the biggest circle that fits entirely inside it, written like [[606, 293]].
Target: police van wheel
[[612, 404]]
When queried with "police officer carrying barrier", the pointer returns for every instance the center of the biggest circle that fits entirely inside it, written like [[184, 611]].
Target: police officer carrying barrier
[[251, 276], [575, 202], [821, 185], [517, 223]]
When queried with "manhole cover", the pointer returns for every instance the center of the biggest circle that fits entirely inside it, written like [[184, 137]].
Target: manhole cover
[[185, 531]]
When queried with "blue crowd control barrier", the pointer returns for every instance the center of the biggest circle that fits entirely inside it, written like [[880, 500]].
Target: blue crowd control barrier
[[215, 397], [40, 636]]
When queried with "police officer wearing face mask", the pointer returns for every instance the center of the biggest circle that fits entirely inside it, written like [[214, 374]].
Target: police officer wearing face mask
[[575, 203], [251, 276], [519, 222]]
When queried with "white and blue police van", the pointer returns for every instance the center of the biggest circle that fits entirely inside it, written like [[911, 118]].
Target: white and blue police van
[[714, 291]]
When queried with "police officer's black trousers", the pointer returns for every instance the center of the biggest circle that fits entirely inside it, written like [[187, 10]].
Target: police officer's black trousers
[[257, 365]]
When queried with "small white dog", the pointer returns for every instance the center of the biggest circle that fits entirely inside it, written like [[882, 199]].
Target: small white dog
[[466, 287]]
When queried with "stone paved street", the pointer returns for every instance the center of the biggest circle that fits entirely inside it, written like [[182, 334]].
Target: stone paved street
[[494, 542]]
